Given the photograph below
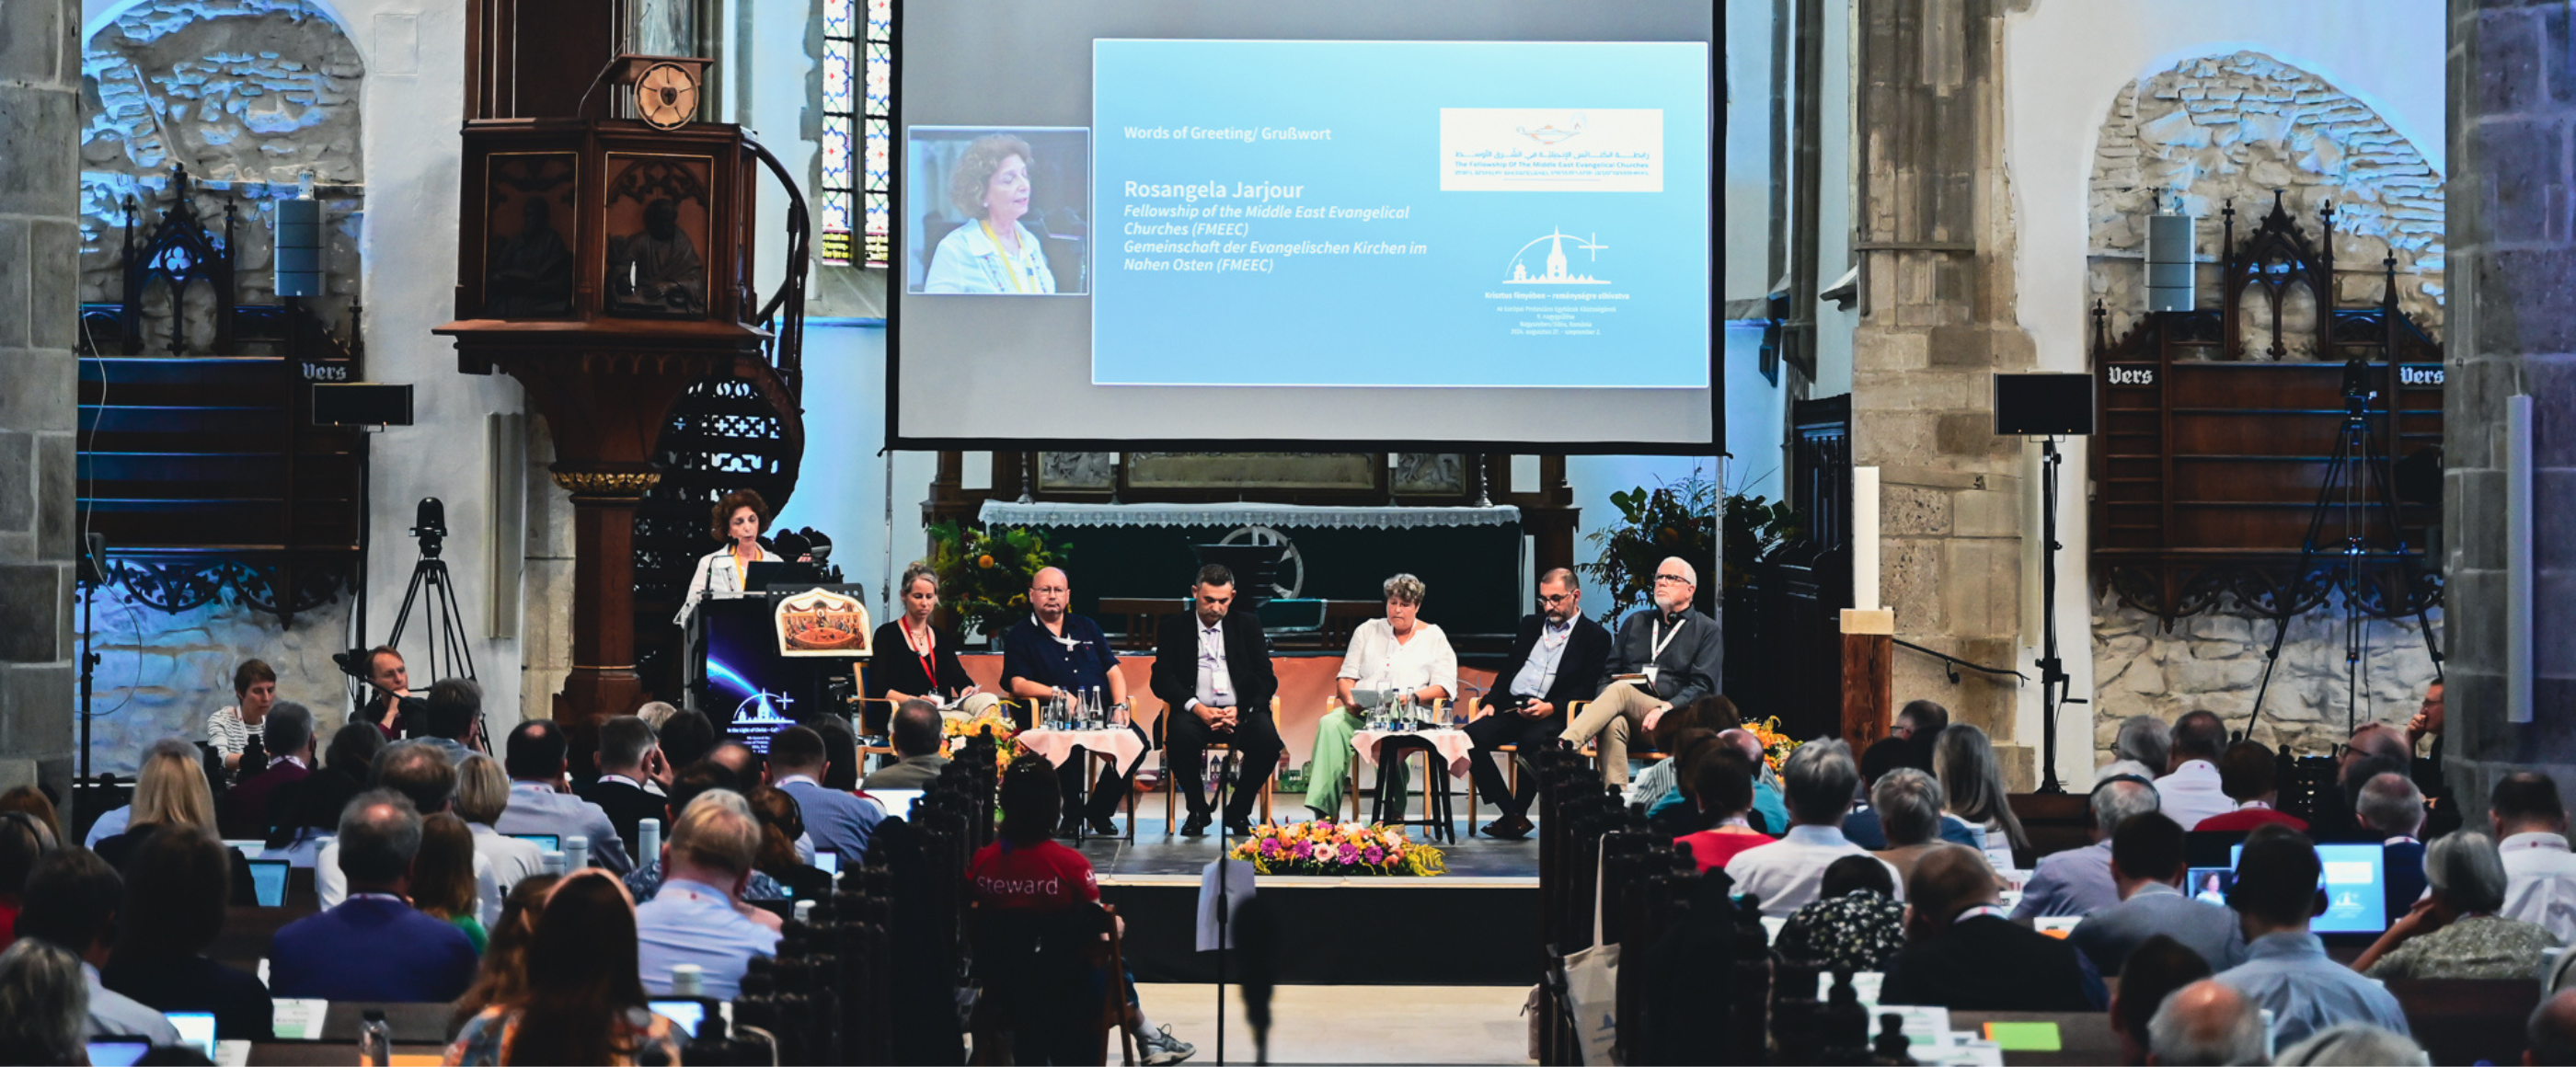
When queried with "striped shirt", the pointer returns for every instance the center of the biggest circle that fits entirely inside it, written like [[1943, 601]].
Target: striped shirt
[[228, 733]]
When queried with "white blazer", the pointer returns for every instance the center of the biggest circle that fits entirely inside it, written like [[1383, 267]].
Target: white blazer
[[966, 261], [716, 578]]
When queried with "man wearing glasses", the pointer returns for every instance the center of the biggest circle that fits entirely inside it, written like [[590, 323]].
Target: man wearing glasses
[[1664, 657], [1558, 658]]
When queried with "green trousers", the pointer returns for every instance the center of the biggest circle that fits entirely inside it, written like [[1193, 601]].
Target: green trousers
[[1332, 763]]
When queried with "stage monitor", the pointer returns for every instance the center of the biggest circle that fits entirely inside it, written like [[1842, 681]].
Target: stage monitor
[[1182, 223]]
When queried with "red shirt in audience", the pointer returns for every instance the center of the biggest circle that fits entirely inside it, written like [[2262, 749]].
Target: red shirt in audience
[[2246, 819], [1712, 848], [1041, 879]]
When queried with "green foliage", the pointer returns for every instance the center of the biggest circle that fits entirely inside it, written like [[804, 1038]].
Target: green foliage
[[1673, 519], [1755, 528], [984, 574]]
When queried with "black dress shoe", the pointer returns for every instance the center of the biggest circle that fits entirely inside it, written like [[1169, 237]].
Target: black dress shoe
[[1196, 825], [1101, 826], [1238, 826], [1509, 828]]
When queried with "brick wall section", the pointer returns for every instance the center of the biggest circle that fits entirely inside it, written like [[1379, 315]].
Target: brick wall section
[[39, 254], [2512, 330]]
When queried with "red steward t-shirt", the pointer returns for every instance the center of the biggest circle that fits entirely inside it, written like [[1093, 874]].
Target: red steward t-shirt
[[1711, 849], [1041, 879]]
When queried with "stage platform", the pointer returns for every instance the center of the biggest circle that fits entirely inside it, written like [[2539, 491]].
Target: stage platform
[[1475, 925]]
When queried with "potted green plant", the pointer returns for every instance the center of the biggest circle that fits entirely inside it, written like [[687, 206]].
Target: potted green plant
[[984, 574], [1673, 519]]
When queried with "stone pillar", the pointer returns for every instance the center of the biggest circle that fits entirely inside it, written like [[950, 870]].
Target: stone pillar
[[39, 307], [1936, 246], [2512, 330]]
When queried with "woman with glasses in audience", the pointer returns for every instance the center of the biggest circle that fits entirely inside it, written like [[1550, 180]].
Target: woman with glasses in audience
[[176, 887], [584, 1002], [1390, 659]]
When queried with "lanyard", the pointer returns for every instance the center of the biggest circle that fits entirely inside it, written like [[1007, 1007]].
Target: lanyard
[[929, 641], [1981, 909], [1010, 264], [1663, 639]]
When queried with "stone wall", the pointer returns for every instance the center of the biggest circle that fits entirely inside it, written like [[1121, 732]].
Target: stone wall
[[251, 96], [2214, 662], [161, 673], [2236, 128], [39, 129]]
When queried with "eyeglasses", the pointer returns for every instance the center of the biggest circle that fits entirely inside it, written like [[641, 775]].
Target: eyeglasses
[[1673, 578], [1556, 598]]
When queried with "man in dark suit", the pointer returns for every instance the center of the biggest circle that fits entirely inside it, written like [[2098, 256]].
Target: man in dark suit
[[373, 946], [1965, 955], [632, 777], [289, 735], [1558, 658], [1212, 671]]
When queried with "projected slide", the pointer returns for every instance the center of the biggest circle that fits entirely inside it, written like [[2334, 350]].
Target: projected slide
[[1431, 214]]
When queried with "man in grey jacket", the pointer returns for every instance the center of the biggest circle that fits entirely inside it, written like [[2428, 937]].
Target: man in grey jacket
[[915, 731], [2147, 864], [1675, 649]]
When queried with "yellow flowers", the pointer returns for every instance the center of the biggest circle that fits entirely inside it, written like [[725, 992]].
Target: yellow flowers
[[1776, 746], [1336, 849]]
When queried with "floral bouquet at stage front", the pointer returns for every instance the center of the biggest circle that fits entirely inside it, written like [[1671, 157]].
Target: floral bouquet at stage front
[[1334, 848], [1776, 746], [959, 728]]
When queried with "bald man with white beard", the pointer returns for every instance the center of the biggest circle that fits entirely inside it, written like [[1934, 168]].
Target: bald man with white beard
[[1674, 646]]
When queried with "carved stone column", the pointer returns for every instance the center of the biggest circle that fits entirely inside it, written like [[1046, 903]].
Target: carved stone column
[[603, 682]]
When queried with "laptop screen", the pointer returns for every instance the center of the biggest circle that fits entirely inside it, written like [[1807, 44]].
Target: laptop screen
[[2356, 886]]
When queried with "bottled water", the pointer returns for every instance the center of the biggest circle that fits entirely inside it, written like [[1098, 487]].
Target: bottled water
[[375, 1040]]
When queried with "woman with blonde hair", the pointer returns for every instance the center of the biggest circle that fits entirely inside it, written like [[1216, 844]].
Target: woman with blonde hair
[[171, 790], [482, 793], [917, 659], [1964, 760]]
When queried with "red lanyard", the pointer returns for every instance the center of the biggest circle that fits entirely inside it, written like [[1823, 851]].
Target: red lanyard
[[927, 669]]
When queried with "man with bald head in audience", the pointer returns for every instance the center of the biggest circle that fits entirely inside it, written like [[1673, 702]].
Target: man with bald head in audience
[[2390, 806], [1962, 953], [2078, 881], [2552, 1031], [2206, 1024]]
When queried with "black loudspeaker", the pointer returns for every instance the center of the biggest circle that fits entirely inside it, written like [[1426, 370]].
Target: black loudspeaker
[[361, 404], [2043, 405]]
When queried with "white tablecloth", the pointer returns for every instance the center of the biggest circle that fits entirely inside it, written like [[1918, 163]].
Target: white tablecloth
[[1454, 745], [1285, 516], [1058, 745]]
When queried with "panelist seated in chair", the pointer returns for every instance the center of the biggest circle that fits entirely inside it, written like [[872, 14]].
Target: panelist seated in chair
[[1212, 669], [916, 659], [1391, 658], [1674, 647], [1056, 653], [1558, 658]]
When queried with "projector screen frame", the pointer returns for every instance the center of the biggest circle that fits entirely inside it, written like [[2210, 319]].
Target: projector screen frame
[[898, 198]]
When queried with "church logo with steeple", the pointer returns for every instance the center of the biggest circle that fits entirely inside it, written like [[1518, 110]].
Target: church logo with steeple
[[1529, 268]]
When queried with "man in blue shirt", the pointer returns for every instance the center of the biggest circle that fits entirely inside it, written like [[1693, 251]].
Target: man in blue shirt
[[838, 821], [2078, 881], [373, 946], [697, 916], [1056, 653], [2286, 969], [541, 798]]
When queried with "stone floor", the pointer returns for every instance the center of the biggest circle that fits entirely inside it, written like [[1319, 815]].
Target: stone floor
[[1352, 1024]]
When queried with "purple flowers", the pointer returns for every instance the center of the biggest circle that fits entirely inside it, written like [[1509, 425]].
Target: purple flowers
[[1375, 855]]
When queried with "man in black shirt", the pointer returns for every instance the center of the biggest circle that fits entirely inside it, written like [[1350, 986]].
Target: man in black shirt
[[633, 777]]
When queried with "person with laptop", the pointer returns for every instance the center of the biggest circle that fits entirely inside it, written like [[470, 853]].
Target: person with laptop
[[2456, 931], [72, 902], [916, 733], [2531, 834], [2148, 866], [2078, 881], [2279, 891], [725, 573], [542, 801], [838, 821], [695, 916], [174, 912], [633, 776], [1963, 954], [374, 946]]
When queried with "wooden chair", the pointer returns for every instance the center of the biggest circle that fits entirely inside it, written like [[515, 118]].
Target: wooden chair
[[1113, 962], [1509, 754]]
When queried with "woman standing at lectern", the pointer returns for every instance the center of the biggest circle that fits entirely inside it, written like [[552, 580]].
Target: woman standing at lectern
[[739, 518], [991, 253], [915, 659]]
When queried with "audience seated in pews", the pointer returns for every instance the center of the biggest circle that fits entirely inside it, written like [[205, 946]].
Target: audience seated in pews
[[420, 774], [541, 799], [695, 916], [917, 733], [2078, 881], [1964, 760], [1855, 923], [174, 909], [2206, 1023], [1786, 874], [33, 802], [316, 802], [72, 902], [171, 792], [686, 737], [1886, 755], [2455, 931], [504, 975], [2552, 1031], [2147, 866], [2390, 807], [1919, 723], [23, 841], [1725, 796], [837, 820], [451, 716], [1674, 812], [1907, 803], [694, 780], [2278, 890], [2145, 740], [482, 794], [633, 780], [1770, 813], [2193, 790], [582, 1002], [443, 877], [288, 735], [2249, 774], [374, 946], [2531, 833], [1963, 954], [2156, 968], [1559, 657], [2353, 1045], [43, 1005], [2373, 749]]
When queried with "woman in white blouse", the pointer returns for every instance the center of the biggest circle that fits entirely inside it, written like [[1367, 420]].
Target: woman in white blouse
[[739, 518], [1399, 655], [230, 728]]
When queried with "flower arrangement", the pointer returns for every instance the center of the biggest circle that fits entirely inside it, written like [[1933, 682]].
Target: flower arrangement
[[1337, 848], [959, 728], [985, 574], [1776, 746]]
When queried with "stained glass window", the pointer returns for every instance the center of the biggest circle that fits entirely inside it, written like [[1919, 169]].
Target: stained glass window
[[858, 106]]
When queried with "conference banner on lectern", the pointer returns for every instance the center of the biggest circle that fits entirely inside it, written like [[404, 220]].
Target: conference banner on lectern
[[1156, 223]]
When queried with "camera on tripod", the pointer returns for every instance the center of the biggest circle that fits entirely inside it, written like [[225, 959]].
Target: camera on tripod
[[429, 524], [2358, 391]]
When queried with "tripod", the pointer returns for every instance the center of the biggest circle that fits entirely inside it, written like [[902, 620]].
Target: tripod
[[441, 623], [2054, 683], [2341, 494]]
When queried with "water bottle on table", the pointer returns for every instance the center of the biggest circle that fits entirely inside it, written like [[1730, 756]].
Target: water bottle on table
[[375, 1040]]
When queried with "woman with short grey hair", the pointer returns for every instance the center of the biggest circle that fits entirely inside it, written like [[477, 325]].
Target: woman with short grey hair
[[44, 1004], [2454, 932], [1390, 659], [1908, 803]]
